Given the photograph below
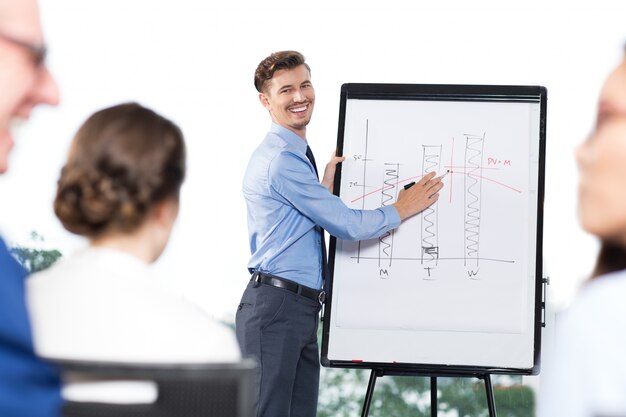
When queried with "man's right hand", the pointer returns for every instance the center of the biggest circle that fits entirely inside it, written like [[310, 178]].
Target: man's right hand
[[420, 196]]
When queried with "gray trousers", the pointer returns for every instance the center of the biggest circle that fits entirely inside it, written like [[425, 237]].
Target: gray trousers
[[278, 328]]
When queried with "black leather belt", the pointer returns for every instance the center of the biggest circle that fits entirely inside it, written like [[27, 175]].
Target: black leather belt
[[275, 281]]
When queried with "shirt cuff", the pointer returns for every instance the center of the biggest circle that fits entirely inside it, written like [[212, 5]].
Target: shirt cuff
[[392, 215]]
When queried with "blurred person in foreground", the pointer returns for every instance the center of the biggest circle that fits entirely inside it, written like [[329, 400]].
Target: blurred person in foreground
[[28, 386], [120, 189], [585, 371]]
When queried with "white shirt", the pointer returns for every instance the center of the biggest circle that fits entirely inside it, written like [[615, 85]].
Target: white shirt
[[102, 304], [585, 374]]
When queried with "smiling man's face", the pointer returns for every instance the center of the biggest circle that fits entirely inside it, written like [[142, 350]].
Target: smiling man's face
[[289, 97]]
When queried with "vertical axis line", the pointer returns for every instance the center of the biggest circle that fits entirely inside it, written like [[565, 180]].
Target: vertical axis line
[[480, 202], [451, 165], [367, 131], [465, 205], [437, 206], [393, 230]]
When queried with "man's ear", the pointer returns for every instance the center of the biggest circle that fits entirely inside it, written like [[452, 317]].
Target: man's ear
[[264, 101]]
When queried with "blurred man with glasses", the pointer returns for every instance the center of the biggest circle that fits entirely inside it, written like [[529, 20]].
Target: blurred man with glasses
[[28, 386]]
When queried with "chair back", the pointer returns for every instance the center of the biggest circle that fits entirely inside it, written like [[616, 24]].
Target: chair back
[[183, 390]]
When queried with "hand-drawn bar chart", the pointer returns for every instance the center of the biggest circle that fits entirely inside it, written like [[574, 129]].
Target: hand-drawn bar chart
[[473, 241], [455, 285]]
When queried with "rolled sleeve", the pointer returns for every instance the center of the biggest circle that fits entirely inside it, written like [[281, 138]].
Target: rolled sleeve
[[295, 182]]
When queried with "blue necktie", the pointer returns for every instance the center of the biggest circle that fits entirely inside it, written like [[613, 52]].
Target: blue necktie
[[325, 271]]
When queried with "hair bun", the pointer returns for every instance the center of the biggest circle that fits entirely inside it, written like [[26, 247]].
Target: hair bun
[[122, 161]]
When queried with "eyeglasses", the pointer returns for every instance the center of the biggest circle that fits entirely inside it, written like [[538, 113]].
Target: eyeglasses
[[37, 52]]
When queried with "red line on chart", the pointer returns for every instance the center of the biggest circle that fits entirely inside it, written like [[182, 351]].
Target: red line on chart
[[488, 179], [499, 183], [386, 188], [451, 167], [419, 176]]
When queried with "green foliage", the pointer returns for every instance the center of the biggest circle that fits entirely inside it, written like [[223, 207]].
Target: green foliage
[[34, 260], [399, 396], [466, 396], [514, 401], [342, 394]]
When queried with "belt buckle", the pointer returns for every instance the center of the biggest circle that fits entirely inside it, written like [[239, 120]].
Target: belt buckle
[[321, 297], [256, 278]]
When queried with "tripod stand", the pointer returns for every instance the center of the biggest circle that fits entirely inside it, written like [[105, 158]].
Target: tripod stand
[[377, 373]]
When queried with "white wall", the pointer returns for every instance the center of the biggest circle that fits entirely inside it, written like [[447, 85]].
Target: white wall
[[193, 60]]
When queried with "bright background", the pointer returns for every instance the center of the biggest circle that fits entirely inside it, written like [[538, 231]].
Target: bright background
[[193, 61]]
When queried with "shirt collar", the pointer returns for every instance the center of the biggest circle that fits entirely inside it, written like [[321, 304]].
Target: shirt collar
[[290, 137]]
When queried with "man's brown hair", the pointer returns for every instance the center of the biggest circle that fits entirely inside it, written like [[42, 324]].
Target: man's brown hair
[[276, 61]]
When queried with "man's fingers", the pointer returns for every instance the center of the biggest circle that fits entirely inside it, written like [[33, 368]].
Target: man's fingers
[[434, 197], [435, 186], [427, 177]]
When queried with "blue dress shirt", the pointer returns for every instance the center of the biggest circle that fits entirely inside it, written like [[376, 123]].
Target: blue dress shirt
[[286, 201], [28, 386]]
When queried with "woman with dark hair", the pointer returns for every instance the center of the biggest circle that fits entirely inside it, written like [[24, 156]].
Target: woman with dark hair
[[120, 189], [585, 372]]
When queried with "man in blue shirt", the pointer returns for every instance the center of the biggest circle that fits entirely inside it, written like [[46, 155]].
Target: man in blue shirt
[[288, 209], [28, 386]]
